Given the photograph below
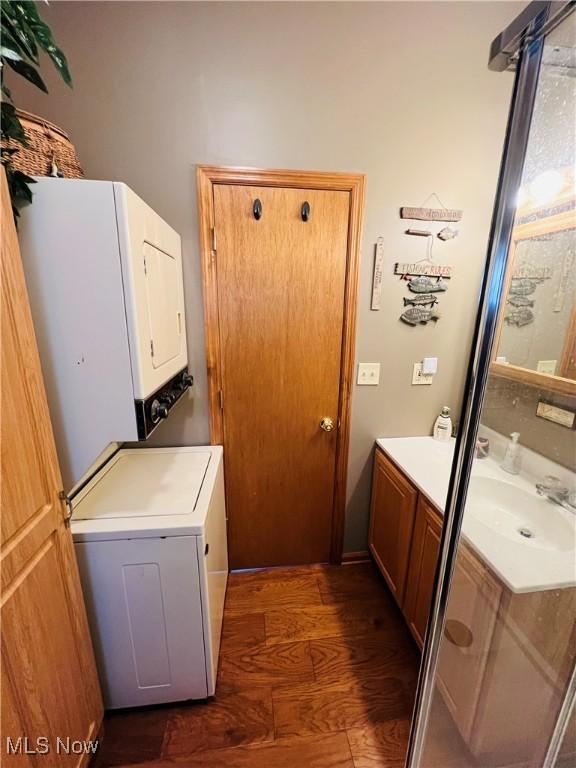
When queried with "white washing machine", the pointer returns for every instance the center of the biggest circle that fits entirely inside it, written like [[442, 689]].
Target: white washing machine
[[150, 538]]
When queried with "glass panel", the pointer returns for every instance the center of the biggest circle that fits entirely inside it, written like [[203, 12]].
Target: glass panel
[[508, 648]]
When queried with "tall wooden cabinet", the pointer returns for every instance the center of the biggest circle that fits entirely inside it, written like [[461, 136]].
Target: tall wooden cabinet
[[391, 521], [49, 683]]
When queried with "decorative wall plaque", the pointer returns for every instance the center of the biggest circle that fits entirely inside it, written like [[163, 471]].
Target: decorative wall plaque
[[378, 270], [419, 232], [532, 273], [422, 268], [431, 214], [425, 284], [419, 315]]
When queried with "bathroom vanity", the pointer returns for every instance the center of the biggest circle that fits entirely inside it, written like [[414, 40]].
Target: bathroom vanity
[[508, 627]]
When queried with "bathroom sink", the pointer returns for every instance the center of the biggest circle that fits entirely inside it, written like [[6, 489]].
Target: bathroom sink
[[520, 516]]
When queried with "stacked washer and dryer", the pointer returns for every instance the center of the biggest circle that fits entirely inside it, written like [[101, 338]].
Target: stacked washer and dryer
[[104, 276]]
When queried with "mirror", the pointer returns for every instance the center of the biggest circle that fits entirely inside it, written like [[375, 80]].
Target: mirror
[[537, 328]]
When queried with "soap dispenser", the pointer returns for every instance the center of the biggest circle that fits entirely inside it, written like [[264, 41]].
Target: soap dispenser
[[443, 426], [512, 457]]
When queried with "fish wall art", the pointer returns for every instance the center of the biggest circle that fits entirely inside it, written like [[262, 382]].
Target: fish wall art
[[419, 315], [425, 284], [422, 299], [519, 317]]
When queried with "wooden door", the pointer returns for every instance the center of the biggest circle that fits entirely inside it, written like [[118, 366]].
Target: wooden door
[[281, 292], [391, 522], [49, 683], [421, 569]]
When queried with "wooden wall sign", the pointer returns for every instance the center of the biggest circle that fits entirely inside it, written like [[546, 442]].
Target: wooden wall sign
[[431, 214], [422, 268], [532, 273], [377, 279]]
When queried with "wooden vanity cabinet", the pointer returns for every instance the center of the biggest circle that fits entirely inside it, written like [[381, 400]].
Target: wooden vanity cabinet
[[468, 632], [391, 521], [498, 647], [422, 567]]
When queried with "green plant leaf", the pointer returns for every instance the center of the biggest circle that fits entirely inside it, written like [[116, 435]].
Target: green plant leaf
[[27, 71], [11, 125], [8, 53], [59, 61], [10, 40], [15, 25], [19, 184], [43, 37]]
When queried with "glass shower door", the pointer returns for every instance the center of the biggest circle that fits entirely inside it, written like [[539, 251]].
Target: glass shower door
[[497, 687]]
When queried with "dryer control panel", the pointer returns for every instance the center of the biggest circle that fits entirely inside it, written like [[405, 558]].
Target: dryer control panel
[[153, 410]]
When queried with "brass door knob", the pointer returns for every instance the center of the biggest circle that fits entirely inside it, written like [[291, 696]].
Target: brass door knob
[[327, 424]]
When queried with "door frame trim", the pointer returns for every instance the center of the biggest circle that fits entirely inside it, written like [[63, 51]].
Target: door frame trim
[[207, 176]]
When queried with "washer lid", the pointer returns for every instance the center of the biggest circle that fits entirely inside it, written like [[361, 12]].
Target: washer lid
[[144, 483]]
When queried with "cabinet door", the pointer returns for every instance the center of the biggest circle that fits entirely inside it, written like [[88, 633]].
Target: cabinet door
[[391, 523], [49, 683], [144, 606], [423, 558], [163, 289], [468, 631]]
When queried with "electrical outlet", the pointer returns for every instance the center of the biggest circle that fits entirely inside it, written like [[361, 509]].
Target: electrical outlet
[[368, 373], [547, 366], [421, 378]]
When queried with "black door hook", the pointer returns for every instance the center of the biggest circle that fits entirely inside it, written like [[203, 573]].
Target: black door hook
[[257, 209], [305, 211]]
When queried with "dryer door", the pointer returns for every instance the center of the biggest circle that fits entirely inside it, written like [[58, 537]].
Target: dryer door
[[153, 288], [163, 299]]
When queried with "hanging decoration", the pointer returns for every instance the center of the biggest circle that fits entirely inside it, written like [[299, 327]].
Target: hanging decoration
[[425, 277], [424, 284], [520, 301], [424, 267], [424, 298], [525, 280], [448, 233], [522, 286], [519, 317], [419, 315], [431, 214], [419, 232], [532, 273]]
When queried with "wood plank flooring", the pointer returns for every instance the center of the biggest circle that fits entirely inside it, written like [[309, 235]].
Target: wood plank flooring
[[317, 670]]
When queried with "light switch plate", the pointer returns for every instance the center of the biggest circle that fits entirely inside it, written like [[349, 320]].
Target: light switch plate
[[421, 378], [547, 366], [368, 373]]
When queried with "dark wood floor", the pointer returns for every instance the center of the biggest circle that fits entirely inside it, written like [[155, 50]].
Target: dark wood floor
[[317, 670]]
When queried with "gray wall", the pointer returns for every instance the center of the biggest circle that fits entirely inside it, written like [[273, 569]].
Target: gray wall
[[399, 91]]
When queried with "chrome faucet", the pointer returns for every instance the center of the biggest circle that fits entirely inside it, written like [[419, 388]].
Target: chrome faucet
[[552, 488]]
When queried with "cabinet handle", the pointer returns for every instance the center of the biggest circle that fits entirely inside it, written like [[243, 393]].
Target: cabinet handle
[[458, 634], [206, 549]]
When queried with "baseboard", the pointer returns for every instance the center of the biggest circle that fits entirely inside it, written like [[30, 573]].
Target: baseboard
[[355, 557]]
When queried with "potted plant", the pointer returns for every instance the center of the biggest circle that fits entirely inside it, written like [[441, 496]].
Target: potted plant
[[24, 36]]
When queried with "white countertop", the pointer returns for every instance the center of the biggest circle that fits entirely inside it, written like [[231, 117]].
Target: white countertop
[[427, 462], [498, 505]]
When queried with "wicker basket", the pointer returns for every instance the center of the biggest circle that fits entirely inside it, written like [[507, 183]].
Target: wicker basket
[[46, 142]]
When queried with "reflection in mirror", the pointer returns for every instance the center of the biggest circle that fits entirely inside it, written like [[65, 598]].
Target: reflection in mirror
[[538, 319]]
